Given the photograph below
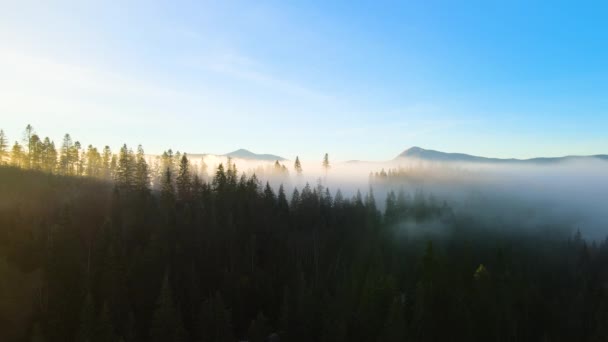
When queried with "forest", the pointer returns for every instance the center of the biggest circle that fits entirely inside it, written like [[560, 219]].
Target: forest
[[98, 246]]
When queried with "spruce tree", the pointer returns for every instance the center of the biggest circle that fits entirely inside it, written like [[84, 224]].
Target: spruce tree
[[142, 174], [49, 156], [297, 166], [325, 164], [66, 156], [17, 155], [166, 323], [3, 147], [106, 159], [27, 147], [125, 170], [184, 179]]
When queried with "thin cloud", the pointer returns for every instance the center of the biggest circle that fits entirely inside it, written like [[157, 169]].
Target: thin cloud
[[244, 68]]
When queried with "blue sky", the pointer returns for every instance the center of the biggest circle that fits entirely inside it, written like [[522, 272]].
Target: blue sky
[[360, 80]]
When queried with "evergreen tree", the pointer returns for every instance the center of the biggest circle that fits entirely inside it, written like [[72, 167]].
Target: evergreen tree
[[49, 156], [78, 158], [106, 159], [35, 152], [282, 204], [17, 156], [142, 175], [167, 194], [213, 323], [325, 164], [295, 199], [93, 161], [66, 158], [167, 323], [269, 196], [27, 141], [126, 168], [297, 166], [3, 147], [184, 179], [220, 179]]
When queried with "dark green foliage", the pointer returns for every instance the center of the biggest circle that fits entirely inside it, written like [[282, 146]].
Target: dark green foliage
[[83, 259], [167, 321]]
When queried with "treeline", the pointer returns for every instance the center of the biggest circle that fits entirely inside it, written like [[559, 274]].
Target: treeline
[[73, 159]]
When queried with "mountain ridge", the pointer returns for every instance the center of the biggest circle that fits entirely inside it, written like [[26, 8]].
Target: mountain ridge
[[242, 153], [433, 155]]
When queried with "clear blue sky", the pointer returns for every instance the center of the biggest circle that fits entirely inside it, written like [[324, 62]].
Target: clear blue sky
[[360, 80]]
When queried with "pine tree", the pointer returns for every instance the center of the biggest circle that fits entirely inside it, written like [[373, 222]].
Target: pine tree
[[66, 162], [106, 159], [125, 170], [35, 152], [17, 155], [167, 322], [295, 200], [269, 196], [326, 165], [78, 158], [167, 193], [142, 175], [220, 180], [49, 156], [184, 179], [282, 205], [297, 166], [3, 147], [213, 323], [27, 141], [92, 162], [338, 199]]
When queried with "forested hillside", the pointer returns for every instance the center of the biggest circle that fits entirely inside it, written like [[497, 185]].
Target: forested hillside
[[109, 257]]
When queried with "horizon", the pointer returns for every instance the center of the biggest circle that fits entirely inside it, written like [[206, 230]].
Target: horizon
[[283, 158]]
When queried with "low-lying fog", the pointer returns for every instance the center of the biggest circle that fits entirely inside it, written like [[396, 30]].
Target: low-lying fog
[[525, 195]]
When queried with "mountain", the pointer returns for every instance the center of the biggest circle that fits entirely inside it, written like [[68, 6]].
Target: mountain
[[246, 154], [432, 155]]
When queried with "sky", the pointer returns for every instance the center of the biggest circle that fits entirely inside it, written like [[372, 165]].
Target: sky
[[358, 80]]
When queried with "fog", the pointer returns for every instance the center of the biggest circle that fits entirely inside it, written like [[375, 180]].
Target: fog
[[569, 193]]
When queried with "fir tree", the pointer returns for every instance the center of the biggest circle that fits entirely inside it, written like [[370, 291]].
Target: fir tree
[[3, 147], [297, 166], [167, 322]]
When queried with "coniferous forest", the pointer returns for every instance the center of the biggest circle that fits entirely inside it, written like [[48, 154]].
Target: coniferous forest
[[102, 246]]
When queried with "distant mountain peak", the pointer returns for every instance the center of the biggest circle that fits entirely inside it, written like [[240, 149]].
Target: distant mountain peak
[[242, 153], [432, 155]]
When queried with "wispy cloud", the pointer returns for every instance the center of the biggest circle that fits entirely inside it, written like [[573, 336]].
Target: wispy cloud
[[243, 68]]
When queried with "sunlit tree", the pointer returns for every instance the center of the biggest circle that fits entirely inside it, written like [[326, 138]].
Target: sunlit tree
[[3, 147], [17, 155]]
